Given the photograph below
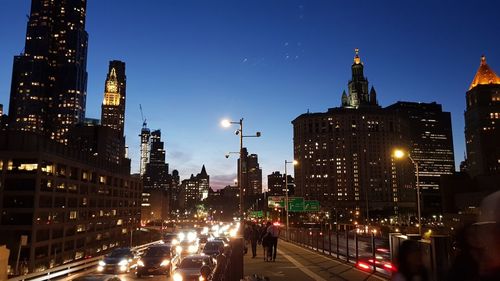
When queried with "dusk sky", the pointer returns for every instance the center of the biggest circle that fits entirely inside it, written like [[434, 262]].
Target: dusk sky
[[192, 63]]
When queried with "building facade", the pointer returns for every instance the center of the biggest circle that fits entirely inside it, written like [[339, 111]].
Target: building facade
[[482, 123], [70, 205], [276, 184], [194, 190], [49, 80], [345, 156], [431, 146]]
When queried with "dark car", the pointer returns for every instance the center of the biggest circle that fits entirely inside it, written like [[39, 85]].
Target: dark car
[[97, 277], [118, 261], [212, 248], [156, 260], [190, 266], [169, 237]]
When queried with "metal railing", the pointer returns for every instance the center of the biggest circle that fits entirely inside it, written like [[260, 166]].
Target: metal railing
[[347, 246], [70, 268]]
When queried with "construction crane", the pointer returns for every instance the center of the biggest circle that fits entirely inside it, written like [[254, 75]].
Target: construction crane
[[145, 136]]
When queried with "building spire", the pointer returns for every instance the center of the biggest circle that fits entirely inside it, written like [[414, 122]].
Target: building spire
[[484, 75], [357, 60]]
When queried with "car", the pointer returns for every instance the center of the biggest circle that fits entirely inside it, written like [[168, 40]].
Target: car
[[169, 238], [366, 263], [97, 277], [212, 248], [189, 267], [156, 260], [187, 248], [118, 261]]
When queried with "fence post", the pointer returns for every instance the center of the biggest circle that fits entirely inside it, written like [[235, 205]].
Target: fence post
[[337, 234], [323, 239], [317, 239], [330, 240], [347, 244], [373, 252], [357, 249]]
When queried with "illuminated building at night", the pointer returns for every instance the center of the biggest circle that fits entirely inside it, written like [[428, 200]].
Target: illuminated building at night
[[113, 105], [194, 190], [276, 184], [482, 123], [431, 145], [252, 174], [345, 155], [49, 79]]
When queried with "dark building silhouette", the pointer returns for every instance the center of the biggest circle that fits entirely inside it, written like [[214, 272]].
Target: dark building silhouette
[[482, 122], [431, 146], [276, 184], [49, 80], [252, 174], [345, 156], [156, 174], [113, 105]]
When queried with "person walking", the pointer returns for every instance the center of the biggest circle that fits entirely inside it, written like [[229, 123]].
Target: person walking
[[254, 237], [274, 232], [264, 240]]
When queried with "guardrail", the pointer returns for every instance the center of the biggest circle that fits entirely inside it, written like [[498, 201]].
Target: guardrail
[[66, 269]]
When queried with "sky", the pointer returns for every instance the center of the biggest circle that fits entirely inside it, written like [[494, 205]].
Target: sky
[[191, 64]]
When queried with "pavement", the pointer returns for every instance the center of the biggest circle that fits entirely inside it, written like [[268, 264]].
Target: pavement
[[294, 263]]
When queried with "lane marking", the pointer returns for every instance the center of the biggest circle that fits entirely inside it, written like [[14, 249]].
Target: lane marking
[[302, 267], [339, 262]]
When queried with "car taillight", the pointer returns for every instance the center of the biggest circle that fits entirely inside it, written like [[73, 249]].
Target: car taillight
[[363, 266]]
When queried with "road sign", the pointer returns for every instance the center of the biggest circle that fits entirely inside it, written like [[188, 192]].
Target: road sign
[[295, 204], [311, 206], [257, 214], [276, 201]]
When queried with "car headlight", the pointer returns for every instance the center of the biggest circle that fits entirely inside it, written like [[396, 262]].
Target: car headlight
[[164, 263], [192, 249], [123, 262], [177, 277], [140, 263], [178, 249], [175, 241], [181, 236], [102, 263]]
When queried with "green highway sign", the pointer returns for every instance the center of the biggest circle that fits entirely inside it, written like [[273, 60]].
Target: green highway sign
[[257, 214], [311, 206], [276, 201], [295, 204]]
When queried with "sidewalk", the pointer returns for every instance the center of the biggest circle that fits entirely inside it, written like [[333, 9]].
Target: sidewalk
[[294, 263]]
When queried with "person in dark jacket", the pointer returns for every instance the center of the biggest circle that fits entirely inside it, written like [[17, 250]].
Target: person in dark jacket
[[254, 238]]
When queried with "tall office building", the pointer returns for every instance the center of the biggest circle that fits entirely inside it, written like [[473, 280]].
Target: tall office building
[[345, 155], [252, 174], [49, 80], [431, 146], [113, 105], [156, 175], [482, 122], [194, 190]]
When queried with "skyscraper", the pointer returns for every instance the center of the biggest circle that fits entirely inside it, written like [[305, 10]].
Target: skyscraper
[[49, 80], [156, 174], [482, 122], [252, 174], [113, 105], [431, 146], [345, 155], [276, 184]]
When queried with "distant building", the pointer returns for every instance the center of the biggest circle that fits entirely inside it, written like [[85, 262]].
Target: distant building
[[49, 80], [345, 156], [276, 184], [113, 105], [252, 174], [482, 122], [431, 146], [194, 190]]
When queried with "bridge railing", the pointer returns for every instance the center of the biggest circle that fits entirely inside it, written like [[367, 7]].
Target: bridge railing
[[70, 269]]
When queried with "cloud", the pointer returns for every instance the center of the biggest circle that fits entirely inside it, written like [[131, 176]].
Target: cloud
[[220, 181]]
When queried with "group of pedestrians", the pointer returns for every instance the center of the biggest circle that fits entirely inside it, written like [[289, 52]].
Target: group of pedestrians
[[265, 235]]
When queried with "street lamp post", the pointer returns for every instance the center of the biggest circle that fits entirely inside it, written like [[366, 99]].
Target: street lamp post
[[399, 154], [227, 123], [294, 162]]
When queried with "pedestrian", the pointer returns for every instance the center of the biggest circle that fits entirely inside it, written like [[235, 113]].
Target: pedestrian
[[246, 236], [486, 241], [274, 232], [254, 237], [410, 264], [265, 242]]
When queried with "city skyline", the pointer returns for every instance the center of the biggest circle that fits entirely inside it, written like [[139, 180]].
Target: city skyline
[[284, 67]]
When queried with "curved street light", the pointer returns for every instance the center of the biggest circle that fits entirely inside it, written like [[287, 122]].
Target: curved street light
[[400, 154]]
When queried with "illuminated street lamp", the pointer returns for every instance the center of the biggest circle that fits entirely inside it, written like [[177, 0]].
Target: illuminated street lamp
[[400, 154], [226, 124], [294, 162]]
